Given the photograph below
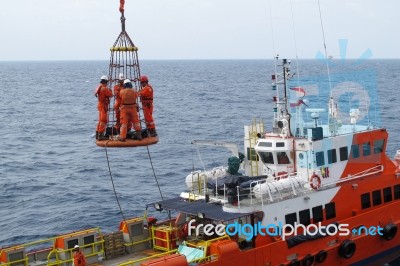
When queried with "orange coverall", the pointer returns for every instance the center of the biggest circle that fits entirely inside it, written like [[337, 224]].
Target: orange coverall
[[103, 95], [146, 97], [79, 258], [117, 89], [129, 112]]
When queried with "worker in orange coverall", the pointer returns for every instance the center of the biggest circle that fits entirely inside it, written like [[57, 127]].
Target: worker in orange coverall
[[103, 94], [129, 113], [146, 97], [79, 257], [117, 89]]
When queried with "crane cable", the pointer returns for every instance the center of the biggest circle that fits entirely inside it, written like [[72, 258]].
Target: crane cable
[[115, 193], [121, 9], [326, 53], [154, 173], [295, 45]]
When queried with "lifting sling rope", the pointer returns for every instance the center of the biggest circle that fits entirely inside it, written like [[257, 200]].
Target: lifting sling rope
[[124, 59]]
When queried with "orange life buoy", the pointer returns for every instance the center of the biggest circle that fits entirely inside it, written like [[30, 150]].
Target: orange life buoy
[[315, 181]]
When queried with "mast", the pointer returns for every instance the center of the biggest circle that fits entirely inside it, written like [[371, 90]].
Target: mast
[[281, 123]]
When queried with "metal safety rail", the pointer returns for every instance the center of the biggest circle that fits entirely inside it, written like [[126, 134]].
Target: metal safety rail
[[246, 197], [203, 244], [51, 254]]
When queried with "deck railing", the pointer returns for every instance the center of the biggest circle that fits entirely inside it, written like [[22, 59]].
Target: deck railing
[[296, 187]]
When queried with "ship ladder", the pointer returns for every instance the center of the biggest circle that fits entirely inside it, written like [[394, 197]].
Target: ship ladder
[[253, 132]]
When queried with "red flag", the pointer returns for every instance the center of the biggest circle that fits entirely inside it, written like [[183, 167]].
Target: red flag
[[299, 90]]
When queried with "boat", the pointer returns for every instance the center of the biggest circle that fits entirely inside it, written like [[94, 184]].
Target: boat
[[307, 193]]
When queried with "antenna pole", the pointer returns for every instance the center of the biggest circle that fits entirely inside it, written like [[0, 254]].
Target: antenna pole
[[286, 74]]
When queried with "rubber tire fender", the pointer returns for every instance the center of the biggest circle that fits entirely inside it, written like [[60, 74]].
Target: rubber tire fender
[[308, 260], [321, 256], [347, 249], [389, 231]]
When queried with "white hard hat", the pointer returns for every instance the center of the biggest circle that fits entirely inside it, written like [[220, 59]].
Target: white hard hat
[[127, 81], [76, 247], [121, 76], [104, 78]]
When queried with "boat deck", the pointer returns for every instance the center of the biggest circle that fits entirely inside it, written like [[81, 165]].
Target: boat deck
[[134, 259]]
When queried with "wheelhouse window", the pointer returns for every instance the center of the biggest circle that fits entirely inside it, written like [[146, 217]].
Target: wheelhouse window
[[332, 156], [317, 213], [397, 192], [387, 194], [366, 149], [355, 151], [304, 216], [266, 157], [330, 210], [343, 152], [378, 145], [282, 157], [376, 197], [319, 157], [265, 144], [280, 144], [291, 218], [365, 201]]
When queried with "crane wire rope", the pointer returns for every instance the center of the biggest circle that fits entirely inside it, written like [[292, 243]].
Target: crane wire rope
[[272, 31], [154, 173], [115, 191], [295, 45], [116, 196], [326, 53]]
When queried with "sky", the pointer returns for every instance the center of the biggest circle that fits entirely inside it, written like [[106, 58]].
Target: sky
[[198, 29]]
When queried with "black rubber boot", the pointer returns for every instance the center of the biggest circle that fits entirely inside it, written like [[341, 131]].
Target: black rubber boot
[[152, 132], [139, 134], [100, 136]]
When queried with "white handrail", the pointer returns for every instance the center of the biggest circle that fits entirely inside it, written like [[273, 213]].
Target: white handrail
[[376, 169]]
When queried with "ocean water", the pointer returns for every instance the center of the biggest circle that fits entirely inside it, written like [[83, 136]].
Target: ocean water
[[54, 179]]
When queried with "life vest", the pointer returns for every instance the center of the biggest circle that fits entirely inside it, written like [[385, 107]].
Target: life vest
[[146, 95], [103, 94], [128, 96], [79, 259], [117, 90]]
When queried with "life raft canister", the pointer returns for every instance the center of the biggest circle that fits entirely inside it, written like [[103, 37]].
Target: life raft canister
[[315, 181], [347, 249], [389, 231]]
